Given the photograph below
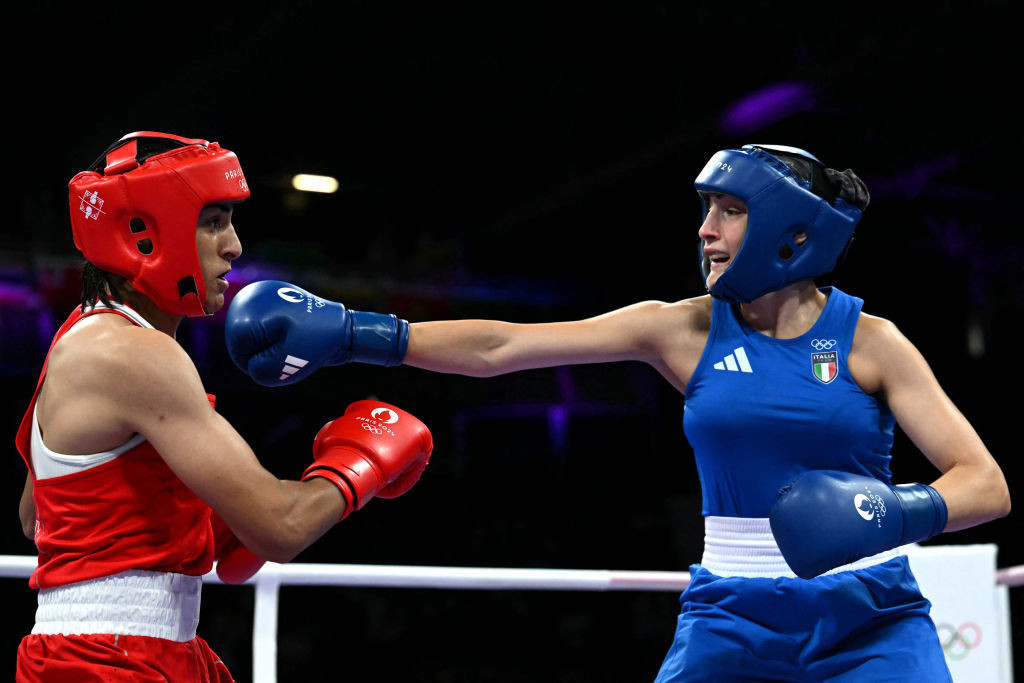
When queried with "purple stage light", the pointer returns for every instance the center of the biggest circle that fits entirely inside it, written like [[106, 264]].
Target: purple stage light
[[19, 295], [766, 106]]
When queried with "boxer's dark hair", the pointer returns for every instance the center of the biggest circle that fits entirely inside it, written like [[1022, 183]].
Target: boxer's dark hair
[[99, 285], [827, 183]]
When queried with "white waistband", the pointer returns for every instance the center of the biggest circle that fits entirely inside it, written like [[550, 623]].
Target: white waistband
[[134, 602], [745, 546]]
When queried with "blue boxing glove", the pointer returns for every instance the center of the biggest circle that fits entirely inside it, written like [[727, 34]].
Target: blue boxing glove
[[824, 519], [278, 334]]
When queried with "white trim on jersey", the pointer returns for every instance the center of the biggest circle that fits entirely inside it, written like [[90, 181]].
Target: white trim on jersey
[[47, 463], [120, 308]]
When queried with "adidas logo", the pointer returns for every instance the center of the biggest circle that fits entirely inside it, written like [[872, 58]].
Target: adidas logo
[[291, 366], [735, 361]]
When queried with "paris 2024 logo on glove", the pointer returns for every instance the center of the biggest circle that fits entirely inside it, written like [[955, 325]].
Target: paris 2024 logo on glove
[[378, 421], [870, 506], [297, 296]]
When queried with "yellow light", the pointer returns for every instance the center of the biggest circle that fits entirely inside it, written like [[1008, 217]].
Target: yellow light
[[304, 182]]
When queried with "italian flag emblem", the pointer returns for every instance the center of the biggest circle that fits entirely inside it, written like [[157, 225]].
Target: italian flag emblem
[[825, 366]]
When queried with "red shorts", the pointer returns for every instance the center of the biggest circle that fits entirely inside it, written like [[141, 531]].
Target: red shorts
[[100, 657]]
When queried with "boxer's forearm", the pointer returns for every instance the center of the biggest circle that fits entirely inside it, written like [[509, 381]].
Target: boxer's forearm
[[463, 347], [974, 493]]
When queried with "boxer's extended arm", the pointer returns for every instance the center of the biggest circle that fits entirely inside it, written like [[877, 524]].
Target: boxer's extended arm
[[667, 336], [885, 362], [279, 333]]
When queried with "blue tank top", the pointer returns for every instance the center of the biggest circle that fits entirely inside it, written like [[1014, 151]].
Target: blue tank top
[[760, 410]]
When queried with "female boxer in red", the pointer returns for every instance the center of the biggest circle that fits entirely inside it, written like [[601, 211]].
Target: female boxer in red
[[126, 454]]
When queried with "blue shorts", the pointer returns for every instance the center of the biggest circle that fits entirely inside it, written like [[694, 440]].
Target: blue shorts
[[869, 624]]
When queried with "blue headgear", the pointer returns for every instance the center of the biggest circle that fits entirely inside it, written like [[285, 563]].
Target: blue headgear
[[780, 204]]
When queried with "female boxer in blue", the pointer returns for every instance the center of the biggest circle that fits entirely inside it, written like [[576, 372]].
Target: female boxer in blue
[[792, 395]]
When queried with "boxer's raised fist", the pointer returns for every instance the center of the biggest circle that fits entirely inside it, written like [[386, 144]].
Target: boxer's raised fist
[[278, 333], [374, 449]]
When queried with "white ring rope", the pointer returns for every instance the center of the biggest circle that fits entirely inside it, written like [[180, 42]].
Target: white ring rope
[[468, 578], [272, 576], [479, 578], [394, 576]]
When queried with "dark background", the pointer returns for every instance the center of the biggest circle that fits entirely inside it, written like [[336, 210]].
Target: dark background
[[529, 163]]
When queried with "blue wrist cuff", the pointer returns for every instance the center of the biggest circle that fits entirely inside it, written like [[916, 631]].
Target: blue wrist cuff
[[924, 512], [378, 338]]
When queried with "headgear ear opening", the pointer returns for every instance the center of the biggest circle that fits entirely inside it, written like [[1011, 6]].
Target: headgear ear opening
[[186, 286], [134, 212]]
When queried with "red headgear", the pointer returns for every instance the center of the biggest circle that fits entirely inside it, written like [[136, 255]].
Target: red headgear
[[136, 216]]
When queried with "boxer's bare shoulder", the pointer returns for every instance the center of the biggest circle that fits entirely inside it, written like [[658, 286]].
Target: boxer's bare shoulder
[[680, 333], [101, 378]]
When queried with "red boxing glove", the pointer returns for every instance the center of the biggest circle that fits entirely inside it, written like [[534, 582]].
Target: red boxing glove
[[235, 562], [374, 449]]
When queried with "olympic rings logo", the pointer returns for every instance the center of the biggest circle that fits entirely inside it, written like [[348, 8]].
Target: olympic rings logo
[[958, 642], [373, 429], [823, 344]]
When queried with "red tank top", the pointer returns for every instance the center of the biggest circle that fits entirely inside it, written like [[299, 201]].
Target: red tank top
[[129, 513]]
